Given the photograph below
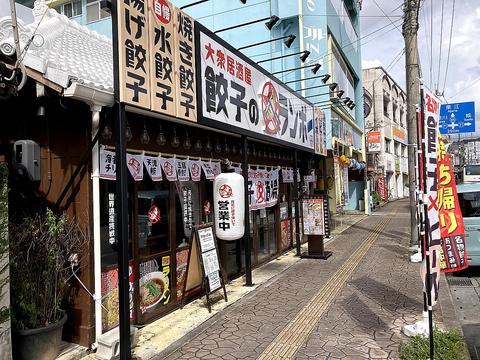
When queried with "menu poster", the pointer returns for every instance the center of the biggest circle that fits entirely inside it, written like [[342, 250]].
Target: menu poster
[[286, 234], [206, 254], [313, 216], [154, 284], [182, 260], [110, 297]]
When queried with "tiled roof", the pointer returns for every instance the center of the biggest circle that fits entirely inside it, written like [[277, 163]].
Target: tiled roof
[[62, 50]]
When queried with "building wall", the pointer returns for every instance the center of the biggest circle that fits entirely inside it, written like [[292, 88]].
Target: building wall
[[388, 116]]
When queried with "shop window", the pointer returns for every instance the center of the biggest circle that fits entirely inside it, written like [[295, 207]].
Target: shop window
[[95, 12]]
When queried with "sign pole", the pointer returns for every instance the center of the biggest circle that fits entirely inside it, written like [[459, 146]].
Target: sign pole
[[122, 201], [297, 207], [246, 237], [428, 283]]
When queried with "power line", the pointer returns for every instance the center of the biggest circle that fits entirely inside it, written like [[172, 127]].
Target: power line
[[375, 1], [449, 45], [440, 51], [465, 88], [426, 38]]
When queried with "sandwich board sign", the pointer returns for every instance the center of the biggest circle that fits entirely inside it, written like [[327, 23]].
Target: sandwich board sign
[[457, 118], [204, 254]]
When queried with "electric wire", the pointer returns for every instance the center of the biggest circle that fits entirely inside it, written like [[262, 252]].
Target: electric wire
[[376, 3], [440, 50], [449, 46], [476, 80]]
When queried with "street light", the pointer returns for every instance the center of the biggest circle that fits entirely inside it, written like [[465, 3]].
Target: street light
[[304, 56], [289, 39], [298, 68], [324, 77], [271, 21]]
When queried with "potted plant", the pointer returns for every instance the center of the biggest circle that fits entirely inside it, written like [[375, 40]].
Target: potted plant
[[44, 252]]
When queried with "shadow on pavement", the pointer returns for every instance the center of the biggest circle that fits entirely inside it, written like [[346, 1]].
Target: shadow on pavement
[[360, 312], [471, 333], [384, 295]]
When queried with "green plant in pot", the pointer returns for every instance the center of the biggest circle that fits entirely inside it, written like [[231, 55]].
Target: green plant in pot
[[44, 251]]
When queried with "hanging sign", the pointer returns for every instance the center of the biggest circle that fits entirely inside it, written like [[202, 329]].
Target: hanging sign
[[195, 169], [169, 166], [111, 218], [432, 106], [182, 170], [320, 132], [189, 199], [237, 93], [135, 166], [152, 164], [161, 56], [271, 188], [229, 206], [216, 168], [107, 165], [287, 175], [374, 140], [208, 170], [452, 228], [186, 102], [382, 188]]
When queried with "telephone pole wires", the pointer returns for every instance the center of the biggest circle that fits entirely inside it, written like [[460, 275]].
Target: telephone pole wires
[[410, 30]]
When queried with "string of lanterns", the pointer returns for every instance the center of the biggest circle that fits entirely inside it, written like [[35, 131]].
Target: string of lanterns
[[198, 145]]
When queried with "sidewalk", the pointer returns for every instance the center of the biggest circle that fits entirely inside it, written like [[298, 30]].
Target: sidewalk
[[353, 305]]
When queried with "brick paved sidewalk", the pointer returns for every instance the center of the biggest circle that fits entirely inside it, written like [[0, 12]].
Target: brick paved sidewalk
[[351, 306]]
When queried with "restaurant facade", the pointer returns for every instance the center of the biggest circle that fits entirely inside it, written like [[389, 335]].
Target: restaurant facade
[[191, 99]]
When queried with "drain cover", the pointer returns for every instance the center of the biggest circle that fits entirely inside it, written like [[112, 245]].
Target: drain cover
[[459, 281]]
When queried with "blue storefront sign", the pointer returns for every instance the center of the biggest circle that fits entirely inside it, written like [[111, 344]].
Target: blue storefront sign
[[457, 118]]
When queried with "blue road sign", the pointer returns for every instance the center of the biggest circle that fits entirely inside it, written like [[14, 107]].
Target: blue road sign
[[457, 118]]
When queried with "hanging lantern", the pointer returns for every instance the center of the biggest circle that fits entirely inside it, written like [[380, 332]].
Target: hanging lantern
[[229, 206]]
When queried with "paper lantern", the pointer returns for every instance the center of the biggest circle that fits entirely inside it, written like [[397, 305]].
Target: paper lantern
[[229, 206]]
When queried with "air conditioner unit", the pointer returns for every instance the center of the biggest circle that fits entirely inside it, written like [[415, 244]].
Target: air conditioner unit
[[27, 158]]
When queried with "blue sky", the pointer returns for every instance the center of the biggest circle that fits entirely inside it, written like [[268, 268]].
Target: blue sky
[[463, 77]]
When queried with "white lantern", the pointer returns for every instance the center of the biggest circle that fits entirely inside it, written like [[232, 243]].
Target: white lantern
[[229, 206]]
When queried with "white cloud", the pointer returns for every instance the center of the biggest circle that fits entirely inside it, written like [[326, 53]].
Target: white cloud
[[366, 64]]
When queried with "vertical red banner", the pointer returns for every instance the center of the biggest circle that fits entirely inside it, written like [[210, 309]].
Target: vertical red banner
[[452, 229]]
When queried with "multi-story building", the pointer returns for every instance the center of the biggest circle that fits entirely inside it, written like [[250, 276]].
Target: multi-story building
[[386, 130], [332, 42]]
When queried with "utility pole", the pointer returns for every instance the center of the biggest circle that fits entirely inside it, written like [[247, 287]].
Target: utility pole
[[410, 30]]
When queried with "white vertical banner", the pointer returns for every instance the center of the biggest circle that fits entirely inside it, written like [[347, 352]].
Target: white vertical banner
[[217, 170], [135, 166], [195, 169], [287, 175], [430, 133], [107, 165], [152, 164], [271, 188], [169, 168], [207, 169], [182, 170]]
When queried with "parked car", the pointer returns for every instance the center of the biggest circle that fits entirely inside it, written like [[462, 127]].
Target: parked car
[[469, 198]]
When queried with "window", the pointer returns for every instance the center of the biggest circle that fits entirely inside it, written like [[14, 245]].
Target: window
[[395, 107], [343, 77], [94, 12], [386, 102], [388, 146], [71, 9], [470, 204], [397, 149]]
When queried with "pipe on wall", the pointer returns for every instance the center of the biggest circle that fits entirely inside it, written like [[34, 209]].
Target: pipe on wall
[[97, 266]]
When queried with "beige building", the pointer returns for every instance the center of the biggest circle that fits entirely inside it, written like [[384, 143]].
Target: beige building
[[386, 129]]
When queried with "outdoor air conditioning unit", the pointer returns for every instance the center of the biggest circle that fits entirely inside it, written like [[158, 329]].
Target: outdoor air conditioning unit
[[26, 158]]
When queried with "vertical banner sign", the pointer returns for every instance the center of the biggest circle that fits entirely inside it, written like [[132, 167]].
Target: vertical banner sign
[[337, 174], [135, 166], [432, 107], [183, 173], [208, 170], [195, 169], [107, 165], [161, 42], [320, 132], [152, 164], [112, 225], [382, 188], [374, 140], [452, 229], [169, 166], [133, 53], [186, 103], [237, 93]]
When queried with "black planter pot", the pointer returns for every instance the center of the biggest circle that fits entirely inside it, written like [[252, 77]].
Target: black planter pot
[[38, 344]]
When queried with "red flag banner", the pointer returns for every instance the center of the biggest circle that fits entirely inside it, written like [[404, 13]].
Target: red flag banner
[[452, 229]]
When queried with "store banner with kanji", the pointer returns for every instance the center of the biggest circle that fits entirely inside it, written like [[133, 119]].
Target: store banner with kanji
[[237, 93], [430, 132], [157, 58], [263, 186], [452, 229]]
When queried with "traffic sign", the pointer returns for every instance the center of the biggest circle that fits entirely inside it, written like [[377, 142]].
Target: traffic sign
[[457, 118]]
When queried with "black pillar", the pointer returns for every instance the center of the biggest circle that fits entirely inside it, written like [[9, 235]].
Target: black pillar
[[246, 237], [121, 200], [297, 207]]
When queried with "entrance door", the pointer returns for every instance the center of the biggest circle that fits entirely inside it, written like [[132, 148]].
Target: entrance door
[[265, 234]]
